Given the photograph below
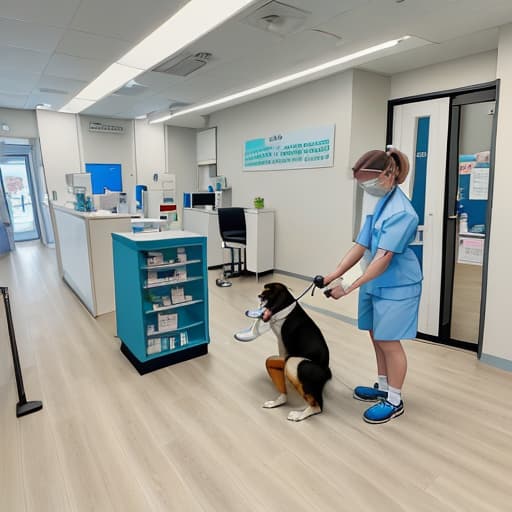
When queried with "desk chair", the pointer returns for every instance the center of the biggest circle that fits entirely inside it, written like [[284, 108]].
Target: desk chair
[[234, 237]]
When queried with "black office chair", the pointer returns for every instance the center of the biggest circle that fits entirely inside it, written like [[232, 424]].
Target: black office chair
[[234, 237]]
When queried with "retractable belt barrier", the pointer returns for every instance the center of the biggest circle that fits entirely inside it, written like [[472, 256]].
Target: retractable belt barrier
[[23, 407]]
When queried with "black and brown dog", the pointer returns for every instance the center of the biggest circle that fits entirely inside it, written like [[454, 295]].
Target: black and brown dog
[[303, 353]]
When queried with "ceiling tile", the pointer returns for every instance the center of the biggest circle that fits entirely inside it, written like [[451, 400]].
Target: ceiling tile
[[90, 46], [18, 58], [131, 20], [66, 66], [51, 12], [17, 85], [57, 83], [55, 100], [30, 36], [158, 81], [12, 100]]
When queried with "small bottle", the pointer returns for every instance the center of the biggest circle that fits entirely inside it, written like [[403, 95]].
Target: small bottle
[[463, 223]]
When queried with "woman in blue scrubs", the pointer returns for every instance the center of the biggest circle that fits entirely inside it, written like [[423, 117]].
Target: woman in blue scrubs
[[390, 286]]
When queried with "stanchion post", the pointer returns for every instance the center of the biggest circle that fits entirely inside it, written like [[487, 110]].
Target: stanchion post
[[23, 407]]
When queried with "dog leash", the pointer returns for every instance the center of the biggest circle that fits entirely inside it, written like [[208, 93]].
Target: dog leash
[[312, 285]]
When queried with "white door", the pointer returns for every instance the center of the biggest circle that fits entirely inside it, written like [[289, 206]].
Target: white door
[[420, 130]]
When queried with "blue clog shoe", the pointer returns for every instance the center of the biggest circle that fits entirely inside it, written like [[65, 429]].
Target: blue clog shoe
[[367, 394], [383, 412]]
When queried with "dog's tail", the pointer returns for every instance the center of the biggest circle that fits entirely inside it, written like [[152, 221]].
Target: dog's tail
[[313, 378]]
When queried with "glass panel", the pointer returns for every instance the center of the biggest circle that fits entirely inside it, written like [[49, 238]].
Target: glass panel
[[472, 193], [19, 197]]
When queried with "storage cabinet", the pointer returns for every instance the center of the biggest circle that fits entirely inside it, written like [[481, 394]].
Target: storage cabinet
[[206, 146], [161, 291]]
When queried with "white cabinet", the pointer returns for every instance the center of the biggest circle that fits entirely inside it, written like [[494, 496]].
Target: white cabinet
[[260, 240], [205, 222], [260, 236], [206, 146]]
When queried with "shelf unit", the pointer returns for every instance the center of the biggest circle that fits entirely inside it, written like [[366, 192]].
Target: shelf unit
[[155, 331]]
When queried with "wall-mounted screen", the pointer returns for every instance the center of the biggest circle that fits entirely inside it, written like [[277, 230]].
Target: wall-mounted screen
[[105, 176]]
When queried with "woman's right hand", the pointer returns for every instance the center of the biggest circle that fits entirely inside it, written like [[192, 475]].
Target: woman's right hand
[[336, 292]]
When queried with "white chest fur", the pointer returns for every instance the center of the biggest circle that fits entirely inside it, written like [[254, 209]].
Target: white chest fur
[[276, 324]]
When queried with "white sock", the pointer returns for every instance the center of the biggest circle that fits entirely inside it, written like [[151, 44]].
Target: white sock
[[394, 395], [383, 382]]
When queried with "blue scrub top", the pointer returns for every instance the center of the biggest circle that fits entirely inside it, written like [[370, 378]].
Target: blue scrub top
[[392, 227]]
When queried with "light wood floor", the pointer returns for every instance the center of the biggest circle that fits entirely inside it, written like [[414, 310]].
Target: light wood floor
[[193, 437]]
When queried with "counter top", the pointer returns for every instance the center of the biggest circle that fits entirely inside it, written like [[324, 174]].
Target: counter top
[[102, 214], [152, 236], [215, 212]]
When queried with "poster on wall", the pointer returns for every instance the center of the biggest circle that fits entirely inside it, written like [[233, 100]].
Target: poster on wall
[[471, 250], [302, 149], [479, 183]]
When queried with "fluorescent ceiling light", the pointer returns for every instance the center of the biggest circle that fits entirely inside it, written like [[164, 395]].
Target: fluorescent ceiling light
[[76, 105], [110, 80], [191, 22], [283, 80], [196, 18]]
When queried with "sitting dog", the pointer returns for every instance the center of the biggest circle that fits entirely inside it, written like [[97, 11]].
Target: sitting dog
[[303, 353]]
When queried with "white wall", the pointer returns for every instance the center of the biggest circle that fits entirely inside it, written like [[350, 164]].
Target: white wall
[[313, 206], [497, 340], [58, 135], [110, 148], [22, 123], [475, 69], [181, 154], [150, 150], [369, 117]]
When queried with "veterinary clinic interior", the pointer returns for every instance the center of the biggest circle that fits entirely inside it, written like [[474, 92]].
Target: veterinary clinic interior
[[160, 162]]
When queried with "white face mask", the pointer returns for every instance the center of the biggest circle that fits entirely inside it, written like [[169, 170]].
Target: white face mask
[[373, 187]]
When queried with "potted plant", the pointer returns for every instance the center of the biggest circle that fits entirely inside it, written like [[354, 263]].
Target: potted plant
[[259, 202]]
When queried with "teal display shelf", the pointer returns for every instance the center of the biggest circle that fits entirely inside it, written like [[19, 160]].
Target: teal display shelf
[[161, 292]]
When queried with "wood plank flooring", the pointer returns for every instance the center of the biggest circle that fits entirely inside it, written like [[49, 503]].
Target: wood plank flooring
[[193, 437]]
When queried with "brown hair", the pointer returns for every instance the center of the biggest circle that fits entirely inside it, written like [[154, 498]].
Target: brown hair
[[393, 160]]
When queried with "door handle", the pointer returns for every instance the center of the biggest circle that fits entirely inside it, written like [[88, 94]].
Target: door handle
[[452, 217]]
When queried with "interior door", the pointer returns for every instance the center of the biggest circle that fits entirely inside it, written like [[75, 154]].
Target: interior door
[[420, 130], [470, 167]]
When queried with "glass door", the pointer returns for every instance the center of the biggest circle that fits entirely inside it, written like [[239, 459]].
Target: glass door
[[19, 194], [470, 172]]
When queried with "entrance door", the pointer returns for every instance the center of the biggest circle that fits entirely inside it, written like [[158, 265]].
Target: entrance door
[[19, 194], [420, 130]]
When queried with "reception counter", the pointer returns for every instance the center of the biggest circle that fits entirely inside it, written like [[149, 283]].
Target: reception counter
[[84, 249]]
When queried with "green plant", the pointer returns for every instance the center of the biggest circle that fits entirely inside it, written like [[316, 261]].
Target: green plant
[[259, 202]]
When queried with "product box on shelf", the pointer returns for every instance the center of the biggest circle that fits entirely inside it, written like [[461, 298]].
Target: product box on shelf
[[167, 321], [155, 258], [154, 346], [181, 255]]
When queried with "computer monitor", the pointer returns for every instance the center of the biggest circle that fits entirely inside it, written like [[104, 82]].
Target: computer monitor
[[105, 176]]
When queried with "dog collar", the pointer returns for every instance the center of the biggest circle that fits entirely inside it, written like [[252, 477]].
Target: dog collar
[[280, 315]]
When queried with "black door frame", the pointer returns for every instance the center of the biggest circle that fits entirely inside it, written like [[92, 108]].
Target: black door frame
[[461, 96]]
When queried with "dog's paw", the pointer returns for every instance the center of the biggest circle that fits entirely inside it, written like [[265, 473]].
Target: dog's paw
[[280, 400], [306, 413]]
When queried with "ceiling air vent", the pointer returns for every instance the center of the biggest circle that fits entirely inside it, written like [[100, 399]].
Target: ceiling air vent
[[98, 127], [48, 90], [132, 88], [277, 17], [183, 64]]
